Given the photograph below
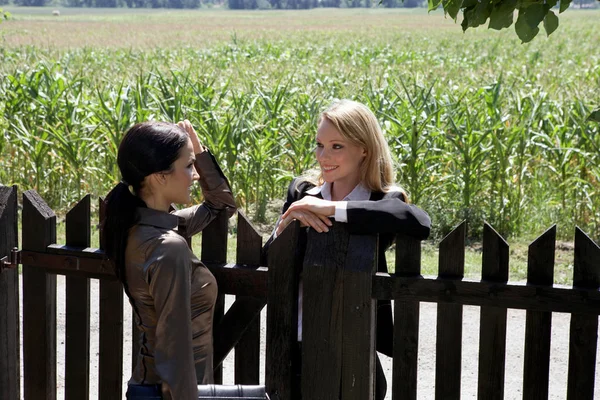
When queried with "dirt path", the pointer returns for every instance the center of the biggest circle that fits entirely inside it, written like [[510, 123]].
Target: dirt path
[[470, 346]]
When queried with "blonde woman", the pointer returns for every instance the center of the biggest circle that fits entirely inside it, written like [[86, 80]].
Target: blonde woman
[[355, 185]]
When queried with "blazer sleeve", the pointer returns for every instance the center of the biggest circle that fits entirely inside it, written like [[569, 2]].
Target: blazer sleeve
[[217, 196], [169, 284], [389, 215]]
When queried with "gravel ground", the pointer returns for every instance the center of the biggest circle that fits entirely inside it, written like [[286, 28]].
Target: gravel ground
[[470, 346]]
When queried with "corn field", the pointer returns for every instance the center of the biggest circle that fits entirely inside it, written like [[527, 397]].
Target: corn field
[[480, 126]]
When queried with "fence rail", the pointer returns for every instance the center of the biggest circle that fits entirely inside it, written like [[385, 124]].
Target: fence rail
[[339, 288]]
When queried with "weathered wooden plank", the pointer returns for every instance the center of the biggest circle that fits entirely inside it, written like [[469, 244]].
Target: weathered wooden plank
[[358, 318], [249, 243], [492, 325], [515, 295], [540, 271], [10, 365], [284, 263], [214, 240], [584, 328], [136, 341], [322, 298], [234, 324], [39, 302], [449, 318], [110, 360], [79, 262], [408, 256], [247, 355], [247, 351], [406, 325], [240, 280], [214, 249], [77, 344]]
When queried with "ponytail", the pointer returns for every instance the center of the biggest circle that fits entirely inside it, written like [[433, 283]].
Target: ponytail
[[119, 218]]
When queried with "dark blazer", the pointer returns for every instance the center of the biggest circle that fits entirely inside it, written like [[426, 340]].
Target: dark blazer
[[387, 214]]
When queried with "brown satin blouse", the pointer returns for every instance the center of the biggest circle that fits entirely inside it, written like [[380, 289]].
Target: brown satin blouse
[[172, 293]]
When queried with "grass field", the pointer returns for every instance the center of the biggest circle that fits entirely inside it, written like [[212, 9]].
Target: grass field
[[481, 126]]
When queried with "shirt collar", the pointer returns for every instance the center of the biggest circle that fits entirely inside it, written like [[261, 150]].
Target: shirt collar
[[160, 219], [358, 193]]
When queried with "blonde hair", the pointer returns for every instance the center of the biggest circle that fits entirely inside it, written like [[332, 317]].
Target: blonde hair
[[357, 124]]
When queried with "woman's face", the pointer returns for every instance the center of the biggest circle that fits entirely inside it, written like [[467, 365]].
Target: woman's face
[[180, 180], [338, 158]]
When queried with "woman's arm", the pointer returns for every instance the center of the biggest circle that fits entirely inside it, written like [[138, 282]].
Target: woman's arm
[[169, 283], [388, 215], [307, 218], [217, 196]]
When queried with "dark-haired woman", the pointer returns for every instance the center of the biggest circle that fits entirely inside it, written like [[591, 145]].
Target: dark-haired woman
[[172, 293]]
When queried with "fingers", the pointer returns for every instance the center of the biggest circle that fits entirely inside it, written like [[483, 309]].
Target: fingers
[[306, 218], [186, 125], [320, 207]]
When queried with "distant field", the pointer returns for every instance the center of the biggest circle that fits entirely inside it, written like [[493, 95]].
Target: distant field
[[123, 28], [482, 127]]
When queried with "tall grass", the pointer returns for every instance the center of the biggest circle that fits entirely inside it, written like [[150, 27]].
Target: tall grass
[[481, 128]]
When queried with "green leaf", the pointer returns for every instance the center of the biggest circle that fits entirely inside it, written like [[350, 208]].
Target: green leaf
[[433, 4], [550, 23], [594, 116], [564, 4], [550, 4], [528, 21], [502, 14], [477, 14], [452, 7]]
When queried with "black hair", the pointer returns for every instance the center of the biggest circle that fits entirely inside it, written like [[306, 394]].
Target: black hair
[[146, 148]]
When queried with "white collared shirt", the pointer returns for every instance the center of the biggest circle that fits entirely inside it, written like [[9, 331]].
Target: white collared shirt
[[341, 215]]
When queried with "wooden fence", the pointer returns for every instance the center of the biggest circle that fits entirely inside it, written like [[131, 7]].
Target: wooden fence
[[339, 288]]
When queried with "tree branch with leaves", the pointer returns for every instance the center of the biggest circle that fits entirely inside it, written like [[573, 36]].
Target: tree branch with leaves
[[500, 13]]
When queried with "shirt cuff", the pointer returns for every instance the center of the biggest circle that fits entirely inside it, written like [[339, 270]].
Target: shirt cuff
[[341, 215]]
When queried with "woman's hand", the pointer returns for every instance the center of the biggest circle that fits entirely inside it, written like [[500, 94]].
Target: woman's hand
[[322, 208], [189, 129], [306, 218]]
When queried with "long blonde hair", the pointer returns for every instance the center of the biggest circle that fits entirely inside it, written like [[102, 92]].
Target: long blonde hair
[[357, 124]]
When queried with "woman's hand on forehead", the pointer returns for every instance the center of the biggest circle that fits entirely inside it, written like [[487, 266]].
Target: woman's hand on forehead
[[186, 125]]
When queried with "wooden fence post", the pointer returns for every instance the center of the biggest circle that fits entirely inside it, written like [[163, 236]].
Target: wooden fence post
[[538, 325], [492, 327], [214, 250], [110, 362], [247, 351], [284, 261], [406, 323], [449, 318], [77, 347], [358, 318], [10, 367], [584, 328], [39, 302], [338, 326]]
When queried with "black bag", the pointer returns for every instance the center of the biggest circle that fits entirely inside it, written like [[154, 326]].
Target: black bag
[[226, 392]]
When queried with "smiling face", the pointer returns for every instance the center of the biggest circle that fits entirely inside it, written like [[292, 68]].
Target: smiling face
[[180, 179], [339, 159]]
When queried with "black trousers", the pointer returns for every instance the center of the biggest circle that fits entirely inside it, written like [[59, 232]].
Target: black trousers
[[144, 392]]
